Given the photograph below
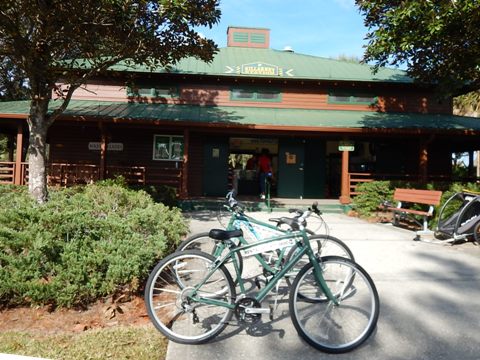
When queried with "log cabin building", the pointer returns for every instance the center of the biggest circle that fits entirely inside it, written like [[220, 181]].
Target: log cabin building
[[327, 124]]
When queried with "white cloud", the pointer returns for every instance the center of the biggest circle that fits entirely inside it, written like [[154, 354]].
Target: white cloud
[[346, 4]]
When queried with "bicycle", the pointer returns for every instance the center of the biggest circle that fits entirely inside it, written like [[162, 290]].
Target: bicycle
[[187, 302], [323, 244]]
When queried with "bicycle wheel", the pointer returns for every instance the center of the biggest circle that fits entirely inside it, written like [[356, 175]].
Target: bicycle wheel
[[329, 327], [205, 243], [169, 291], [322, 245]]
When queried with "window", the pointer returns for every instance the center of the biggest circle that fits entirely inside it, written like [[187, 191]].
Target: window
[[255, 95], [154, 91], [351, 99], [166, 147]]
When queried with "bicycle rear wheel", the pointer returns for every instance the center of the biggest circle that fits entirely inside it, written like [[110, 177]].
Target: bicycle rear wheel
[[335, 328], [169, 297]]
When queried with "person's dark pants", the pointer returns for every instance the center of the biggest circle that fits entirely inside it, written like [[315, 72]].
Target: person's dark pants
[[263, 177]]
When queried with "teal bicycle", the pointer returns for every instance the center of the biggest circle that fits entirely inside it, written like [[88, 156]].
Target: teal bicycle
[[254, 230], [333, 302]]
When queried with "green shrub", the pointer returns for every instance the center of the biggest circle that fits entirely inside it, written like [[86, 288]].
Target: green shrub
[[83, 244], [372, 194]]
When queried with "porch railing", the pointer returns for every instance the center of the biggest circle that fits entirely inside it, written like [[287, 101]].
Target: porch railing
[[66, 174], [355, 179], [8, 170], [74, 174]]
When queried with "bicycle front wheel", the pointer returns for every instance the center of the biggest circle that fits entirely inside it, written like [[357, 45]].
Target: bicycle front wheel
[[322, 245], [330, 327], [172, 302]]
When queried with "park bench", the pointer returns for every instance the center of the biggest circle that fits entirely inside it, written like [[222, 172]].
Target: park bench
[[406, 198]]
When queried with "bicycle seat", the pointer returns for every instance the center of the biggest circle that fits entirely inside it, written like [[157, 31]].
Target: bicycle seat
[[219, 234]]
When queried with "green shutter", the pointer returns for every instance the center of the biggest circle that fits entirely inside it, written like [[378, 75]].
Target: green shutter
[[241, 37], [257, 38]]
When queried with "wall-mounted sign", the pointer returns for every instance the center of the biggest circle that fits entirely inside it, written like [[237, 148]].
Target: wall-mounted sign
[[346, 146], [290, 159], [258, 68], [110, 146]]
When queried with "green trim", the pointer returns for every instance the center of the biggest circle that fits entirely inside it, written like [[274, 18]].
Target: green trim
[[257, 94], [250, 115], [350, 98]]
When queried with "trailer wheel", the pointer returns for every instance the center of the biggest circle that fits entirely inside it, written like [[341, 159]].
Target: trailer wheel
[[476, 233]]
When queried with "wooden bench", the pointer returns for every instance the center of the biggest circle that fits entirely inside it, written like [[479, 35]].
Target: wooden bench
[[430, 198]]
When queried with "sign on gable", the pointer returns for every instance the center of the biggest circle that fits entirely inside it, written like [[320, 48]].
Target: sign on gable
[[258, 68]]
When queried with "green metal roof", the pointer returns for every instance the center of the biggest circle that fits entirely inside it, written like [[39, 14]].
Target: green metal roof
[[234, 115], [269, 63]]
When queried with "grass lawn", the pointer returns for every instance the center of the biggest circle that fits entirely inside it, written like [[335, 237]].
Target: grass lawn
[[113, 343]]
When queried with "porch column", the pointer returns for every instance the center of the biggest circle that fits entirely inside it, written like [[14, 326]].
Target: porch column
[[18, 158], [184, 180], [103, 151], [423, 162], [11, 141], [345, 186], [471, 167]]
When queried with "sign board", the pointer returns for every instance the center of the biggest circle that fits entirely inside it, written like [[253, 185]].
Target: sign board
[[110, 146], [346, 146]]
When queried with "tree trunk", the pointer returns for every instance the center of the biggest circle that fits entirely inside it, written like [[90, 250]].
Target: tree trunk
[[38, 123]]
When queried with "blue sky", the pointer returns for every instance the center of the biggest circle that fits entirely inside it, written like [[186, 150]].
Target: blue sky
[[326, 28]]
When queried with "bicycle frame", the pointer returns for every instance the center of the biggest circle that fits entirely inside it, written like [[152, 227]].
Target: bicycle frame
[[248, 221], [300, 237]]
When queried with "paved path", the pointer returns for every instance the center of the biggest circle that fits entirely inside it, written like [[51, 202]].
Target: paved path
[[429, 293]]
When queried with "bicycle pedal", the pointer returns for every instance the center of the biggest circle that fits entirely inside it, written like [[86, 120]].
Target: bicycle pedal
[[271, 313], [257, 282]]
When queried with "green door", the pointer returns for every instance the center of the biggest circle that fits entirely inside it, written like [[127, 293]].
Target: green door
[[215, 167], [315, 169], [291, 168]]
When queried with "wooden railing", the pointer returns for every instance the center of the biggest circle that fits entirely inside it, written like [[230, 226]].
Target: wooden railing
[[355, 179], [65, 174], [76, 174], [7, 172]]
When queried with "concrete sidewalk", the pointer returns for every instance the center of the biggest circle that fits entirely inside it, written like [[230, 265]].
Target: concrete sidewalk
[[429, 295]]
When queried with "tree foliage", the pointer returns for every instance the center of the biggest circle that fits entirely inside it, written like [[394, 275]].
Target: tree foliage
[[71, 41], [438, 40], [13, 85], [467, 104]]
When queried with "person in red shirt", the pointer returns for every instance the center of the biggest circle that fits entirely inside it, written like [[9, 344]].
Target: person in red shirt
[[264, 169]]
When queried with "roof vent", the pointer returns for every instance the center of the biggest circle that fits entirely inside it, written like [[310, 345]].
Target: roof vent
[[288, 49]]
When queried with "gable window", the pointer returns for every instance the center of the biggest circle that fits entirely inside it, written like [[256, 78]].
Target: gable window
[[346, 98], [260, 95], [167, 148]]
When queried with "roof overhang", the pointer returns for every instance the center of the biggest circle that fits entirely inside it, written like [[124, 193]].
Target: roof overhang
[[254, 117]]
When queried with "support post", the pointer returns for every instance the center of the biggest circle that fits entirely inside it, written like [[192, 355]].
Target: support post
[[18, 157], [345, 186], [11, 141], [471, 167], [184, 180], [423, 162], [103, 151]]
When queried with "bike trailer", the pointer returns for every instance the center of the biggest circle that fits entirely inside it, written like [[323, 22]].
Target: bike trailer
[[459, 218]]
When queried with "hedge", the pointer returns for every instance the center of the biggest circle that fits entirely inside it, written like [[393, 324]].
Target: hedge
[[83, 244]]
